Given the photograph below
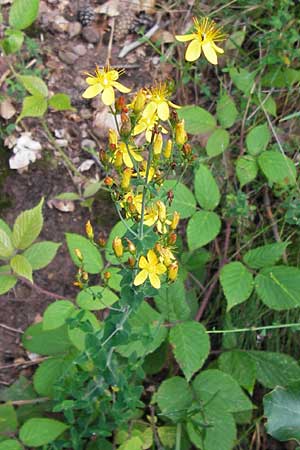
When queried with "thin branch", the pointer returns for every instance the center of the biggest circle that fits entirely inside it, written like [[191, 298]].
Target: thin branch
[[14, 330]]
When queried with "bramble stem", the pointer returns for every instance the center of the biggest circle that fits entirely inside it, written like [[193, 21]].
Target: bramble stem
[[242, 330]]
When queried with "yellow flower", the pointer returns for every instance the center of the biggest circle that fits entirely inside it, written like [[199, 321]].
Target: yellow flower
[[151, 268], [153, 216], [159, 102], [206, 33], [104, 83], [166, 255], [132, 203], [118, 247], [147, 124], [128, 154]]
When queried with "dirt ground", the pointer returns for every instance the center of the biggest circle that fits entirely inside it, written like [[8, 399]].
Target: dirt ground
[[66, 50]]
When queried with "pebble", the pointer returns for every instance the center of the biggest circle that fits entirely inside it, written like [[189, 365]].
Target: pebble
[[85, 113], [74, 29], [88, 143], [90, 35], [80, 50], [67, 57]]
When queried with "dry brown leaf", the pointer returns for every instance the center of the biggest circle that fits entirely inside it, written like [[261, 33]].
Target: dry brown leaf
[[7, 110], [62, 205]]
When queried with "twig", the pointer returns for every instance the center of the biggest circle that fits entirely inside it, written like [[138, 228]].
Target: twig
[[133, 45], [15, 330], [42, 290], [24, 363], [109, 47], [29, 402]]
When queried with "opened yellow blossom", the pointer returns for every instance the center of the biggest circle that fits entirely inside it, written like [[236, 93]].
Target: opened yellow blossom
[[132, 203], [147, 124], [156, 215], [205, 34], [104, 82], [128, 154], [151, 268], [159, 103]]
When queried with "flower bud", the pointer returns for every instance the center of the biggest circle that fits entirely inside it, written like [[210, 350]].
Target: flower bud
[[162, 212], [89, 230], [108, 181], [168, 149], [103, 156], [126, 125], [118, 247], [139, 101], [131, 246], [118, 160], [175, 220], [180, 133], [131, 261], [120, 104], [112, 137], [102, 241], [107, 275], [157, 144], [187, 149], [85, 276], [173, 271], [78, 254], [172, 238], [126, 178]]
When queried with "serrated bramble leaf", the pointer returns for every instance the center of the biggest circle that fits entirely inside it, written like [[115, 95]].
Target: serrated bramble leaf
[[23, 13], [246, 169], [6, 246], [22, 267], [10, 444], [46, 375], [183, 202], [34, 85], [41, 254], [190, 345], [217, 142], [206, 189], [202, 228], [277, 168], [197, 120], [37, 431], [33, 106], [258, 139], [237, 283], [60, 102], [96, 298], [240, 366], [174, 397], [28, 226], [46, 342], [8, 419], [264, 256], [92, 260], [226, 111], [57, 313], [7, 282]]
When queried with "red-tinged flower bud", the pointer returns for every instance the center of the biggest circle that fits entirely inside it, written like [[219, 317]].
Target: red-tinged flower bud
[[131, 246], [139, 101], [175, 220], [131, 261], [168, 149], [102, 241], [187, 149], [107, 275], [173, 271], [118, 247], [118, 160], [126, 125], [172, 238], [108, 181], [126, 178], [157, 144], [78, 254], [103, 156], [120, 104], [89, 230], [180, 133]]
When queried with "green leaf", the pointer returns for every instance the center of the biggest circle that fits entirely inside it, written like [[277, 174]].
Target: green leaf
[[22, 267], [68, 196], [258, 139], [10, 444], [197, 120], [33, 106], [240, 366], [226, 111], [5, 227], [202, 228], [237, 283], [214, 430], [46, 342], [184, 201], [274, 368], [235, 40], [282, 409], [91, 188], [246, 169], [217, 142], [34, 85], [37, 432], [46, 375], [171, 302], [266, 255], [243, 79], [167, 436], [57, 313], [41, 254], [174, 397], [78, 334], [28, 226], [206, 189], [92, 260], [191, 346], [6, 246], [7, 282], [96, 298], [277, 168], [61, 102], [270, 106], [279, 287], [8, 419], [23, 13], [220, 387], [13, 41], [134, 443]]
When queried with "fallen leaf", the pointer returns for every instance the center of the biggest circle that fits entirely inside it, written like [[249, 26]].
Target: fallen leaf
[[7, 110], [62, 205], [86, 165]]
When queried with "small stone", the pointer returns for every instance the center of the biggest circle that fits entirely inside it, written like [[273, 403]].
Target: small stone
[[80, 50], [89, 143], [67, 57], [85, 113], [74, 29], [90, 35], [60, 24]]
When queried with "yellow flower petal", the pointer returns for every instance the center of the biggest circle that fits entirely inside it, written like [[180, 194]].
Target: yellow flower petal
[[108, 96], [193, 50], [210, 53], [121, 87], [141, 277], [139, 128], [163, 111], [92, 91], [160, 269], [154, 280], [152, 258], [218, 49], [185, 37], [91, 80], [174, 105], [135, 155], [148, 135], [127, 160], [143, 263], [150, 110]]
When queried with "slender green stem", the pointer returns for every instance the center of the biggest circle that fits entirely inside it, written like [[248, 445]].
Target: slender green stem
[[149, 160], [267, 327], [60, 150], [178, 436], [124, 221]]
